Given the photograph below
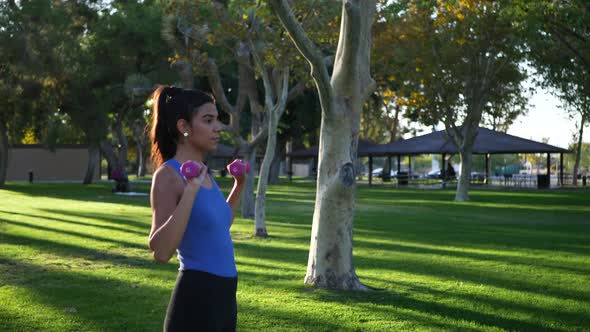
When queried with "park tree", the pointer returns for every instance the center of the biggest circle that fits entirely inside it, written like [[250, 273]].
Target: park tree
[[256, 48], [275, 101], [341, 97], [394, 94], [559, 42], [30, 37], [274, 67], [466, 61], [86, 92], [576, 99], [584, 156], [53, 73], [136, 88], [128, 54], [507, 103], [209, 41]]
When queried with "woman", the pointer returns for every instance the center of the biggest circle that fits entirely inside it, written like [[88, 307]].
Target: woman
[[191, 216]]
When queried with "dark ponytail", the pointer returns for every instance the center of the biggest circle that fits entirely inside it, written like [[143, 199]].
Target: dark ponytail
[[171, 104]]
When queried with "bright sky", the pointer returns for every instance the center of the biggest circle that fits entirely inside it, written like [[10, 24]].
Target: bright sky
[[546, 119]]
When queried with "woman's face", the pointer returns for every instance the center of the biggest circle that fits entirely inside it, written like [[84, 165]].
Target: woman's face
[[205, 128]]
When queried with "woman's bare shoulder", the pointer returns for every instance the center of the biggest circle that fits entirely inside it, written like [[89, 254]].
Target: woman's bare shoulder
[[165, 176]]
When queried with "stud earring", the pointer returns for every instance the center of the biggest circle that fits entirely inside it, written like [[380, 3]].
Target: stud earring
[[185, 134]]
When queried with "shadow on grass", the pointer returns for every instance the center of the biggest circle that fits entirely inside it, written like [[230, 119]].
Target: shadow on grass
[[74, 251], [469, 233], [377, 301], [76, 234], [267, 318], [107, 304], [425, 267], [77, 223], [8, 322], [541, 262], [578, 319], [274, 253], [478, 275], [110, 218], [100, 303]]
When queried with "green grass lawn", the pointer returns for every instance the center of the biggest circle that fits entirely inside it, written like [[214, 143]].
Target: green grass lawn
[[75, 258]]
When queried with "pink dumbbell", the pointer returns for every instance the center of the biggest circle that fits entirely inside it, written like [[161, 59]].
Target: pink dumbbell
[[190, 169], [238, 167]]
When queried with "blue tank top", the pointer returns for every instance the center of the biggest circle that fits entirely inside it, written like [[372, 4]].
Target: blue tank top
[[206, 244]]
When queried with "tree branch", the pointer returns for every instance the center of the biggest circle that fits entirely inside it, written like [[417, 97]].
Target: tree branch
[[284, 94], [346, 63], [215, 83], [262, 134], [296, 91], [453, 133], [268, 90], [368, 84], [308, 49], [574, 50]]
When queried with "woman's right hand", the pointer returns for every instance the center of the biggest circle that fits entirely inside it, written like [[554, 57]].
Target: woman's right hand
[[196, 182]]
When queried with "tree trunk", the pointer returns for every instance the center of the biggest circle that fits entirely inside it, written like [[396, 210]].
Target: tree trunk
[[386, 173], [139, 136], [141, 165], [464, 138], [395, 128], [142, 170], [123, 144], [248, 199], [341, 97], [3, 153], [109, 154], [275, 166], [248, 192], [462, 193], [274, 112], [330, 262], [93, 159], [288, 160], [579, 150], [260, 207], [185, 72]]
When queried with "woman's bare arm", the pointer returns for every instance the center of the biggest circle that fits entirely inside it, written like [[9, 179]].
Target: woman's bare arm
[[234, 196], [172, 203]]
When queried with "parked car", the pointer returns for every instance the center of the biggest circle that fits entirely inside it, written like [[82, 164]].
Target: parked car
[[478, 176], [434, 174], [378, 172]]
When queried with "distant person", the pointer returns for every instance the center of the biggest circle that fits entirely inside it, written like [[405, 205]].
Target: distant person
[[192, 218], [121, 180], [450, 172]]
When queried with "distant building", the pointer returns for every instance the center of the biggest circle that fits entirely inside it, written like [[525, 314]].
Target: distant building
[[66, 163]]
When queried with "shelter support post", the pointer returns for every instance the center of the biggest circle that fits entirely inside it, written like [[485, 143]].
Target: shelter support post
[[443, 170], [399, 167], [409, 167], [487, 175], [290, 170], [370, 170], [549, 165]]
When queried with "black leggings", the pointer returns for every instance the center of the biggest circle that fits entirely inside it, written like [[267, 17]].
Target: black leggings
[[202, 302]]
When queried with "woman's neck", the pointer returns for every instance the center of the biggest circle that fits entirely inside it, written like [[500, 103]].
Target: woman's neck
[[184, 153]]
